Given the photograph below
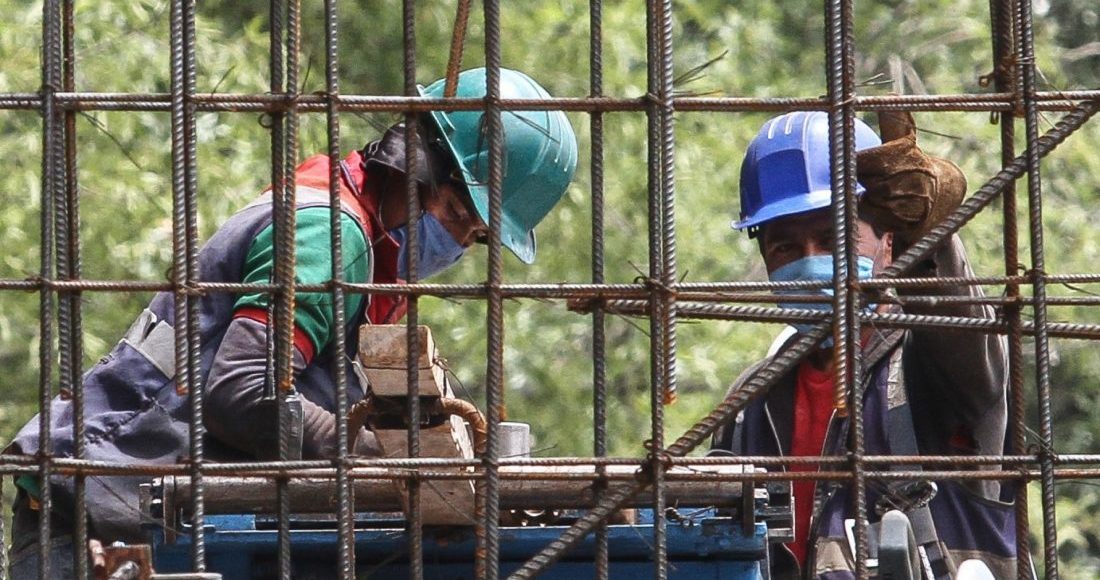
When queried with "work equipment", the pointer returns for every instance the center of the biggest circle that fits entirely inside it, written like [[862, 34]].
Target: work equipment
[[720, 524], [786, 167], [539, 154]]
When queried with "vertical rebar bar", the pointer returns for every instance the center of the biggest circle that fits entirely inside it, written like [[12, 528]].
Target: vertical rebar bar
[[414, 524], [194, 341], [657, 319], [285, 258], [345, 501], [599, 336], [840, 75], [277, 73], [1047, 456], [1003, 20], [662, 256], [69, 267], [52, 188], [185, 252], [487, 565]]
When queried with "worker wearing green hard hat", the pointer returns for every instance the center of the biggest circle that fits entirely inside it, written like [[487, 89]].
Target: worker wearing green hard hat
[[539, 156]]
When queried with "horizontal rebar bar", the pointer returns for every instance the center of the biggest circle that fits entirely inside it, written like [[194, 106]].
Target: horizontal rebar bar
[[319, 102]]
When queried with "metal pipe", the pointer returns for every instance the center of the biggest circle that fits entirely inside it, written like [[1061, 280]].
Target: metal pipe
[[519, 490]]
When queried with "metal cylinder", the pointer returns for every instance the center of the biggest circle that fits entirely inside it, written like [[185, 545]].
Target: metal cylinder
[[515, 439], [522, 487]]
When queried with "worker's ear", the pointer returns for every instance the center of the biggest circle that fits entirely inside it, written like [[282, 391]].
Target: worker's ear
[[887, 249]]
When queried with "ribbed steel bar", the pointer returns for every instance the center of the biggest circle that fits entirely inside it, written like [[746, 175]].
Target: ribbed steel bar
[[285, 208], [398, 468], [487, 563], [537, 291], [345, 511], [710, 311], [181, 27], [840, 80], [53, 167], [599, 317], [70, 331], [414, 521], [458, 43], [662, 258], [194, 341], [229, 102], [1026, 59], [279, 169], [1002, 16], [699, 291], [541, 291]]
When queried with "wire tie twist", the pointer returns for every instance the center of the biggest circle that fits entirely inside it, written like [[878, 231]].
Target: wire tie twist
[[654, 457], [655, 284]]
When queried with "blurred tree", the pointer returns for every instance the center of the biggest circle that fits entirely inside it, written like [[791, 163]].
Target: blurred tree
[[754, 48]]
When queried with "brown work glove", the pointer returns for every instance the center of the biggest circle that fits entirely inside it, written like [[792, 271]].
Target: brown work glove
[[907, 191]]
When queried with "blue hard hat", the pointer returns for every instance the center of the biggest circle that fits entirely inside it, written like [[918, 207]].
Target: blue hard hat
[[786, 167]]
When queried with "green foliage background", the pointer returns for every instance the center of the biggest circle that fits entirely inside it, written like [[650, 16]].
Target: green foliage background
[[763, 48]]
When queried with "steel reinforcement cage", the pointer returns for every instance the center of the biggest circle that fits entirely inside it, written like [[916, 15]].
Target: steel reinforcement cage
[[661, 296]]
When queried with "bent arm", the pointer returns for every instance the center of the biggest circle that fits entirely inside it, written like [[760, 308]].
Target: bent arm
[[234, 412], [966, 368]]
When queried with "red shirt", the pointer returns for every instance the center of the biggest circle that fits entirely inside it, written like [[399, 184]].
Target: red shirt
[[813, 407]]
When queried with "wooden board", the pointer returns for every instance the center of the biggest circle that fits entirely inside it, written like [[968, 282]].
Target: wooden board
[[442, 502], [383, 346], [394, 382]]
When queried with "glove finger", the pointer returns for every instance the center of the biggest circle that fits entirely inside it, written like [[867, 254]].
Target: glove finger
[[893, 125], [888, 158]]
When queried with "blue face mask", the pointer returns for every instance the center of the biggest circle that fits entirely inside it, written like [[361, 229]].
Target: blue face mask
[[816, 269], [438, 249]]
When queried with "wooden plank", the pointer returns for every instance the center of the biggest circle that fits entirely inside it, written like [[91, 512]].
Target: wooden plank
[[383, 346], [394, 382], [442, 502]]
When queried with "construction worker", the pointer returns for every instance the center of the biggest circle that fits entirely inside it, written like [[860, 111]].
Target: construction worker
[[927, 392], [134, 413]]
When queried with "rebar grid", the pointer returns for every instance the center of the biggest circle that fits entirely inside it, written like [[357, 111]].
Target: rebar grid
[[661, 298]]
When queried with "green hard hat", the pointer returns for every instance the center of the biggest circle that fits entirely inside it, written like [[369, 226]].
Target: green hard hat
[[539, 155]]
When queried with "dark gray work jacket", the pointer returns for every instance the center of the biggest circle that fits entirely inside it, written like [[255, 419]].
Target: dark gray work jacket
[[953, 386], [134, 414]]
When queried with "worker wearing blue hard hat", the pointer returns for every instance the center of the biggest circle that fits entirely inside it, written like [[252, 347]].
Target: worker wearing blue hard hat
[[923, 392], [134, 413]]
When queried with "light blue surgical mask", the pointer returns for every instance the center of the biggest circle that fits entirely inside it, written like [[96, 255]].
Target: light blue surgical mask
[[438, 249], [816, 269]]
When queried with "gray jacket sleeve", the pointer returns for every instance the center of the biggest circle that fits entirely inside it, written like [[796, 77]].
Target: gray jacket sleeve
[[234, 390], [965, 370]]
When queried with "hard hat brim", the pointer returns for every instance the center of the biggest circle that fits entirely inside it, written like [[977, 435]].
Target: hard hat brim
[[794, 205]]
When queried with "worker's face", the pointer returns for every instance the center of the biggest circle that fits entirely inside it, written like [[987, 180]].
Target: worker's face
[[449, 204], [811, 234]]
